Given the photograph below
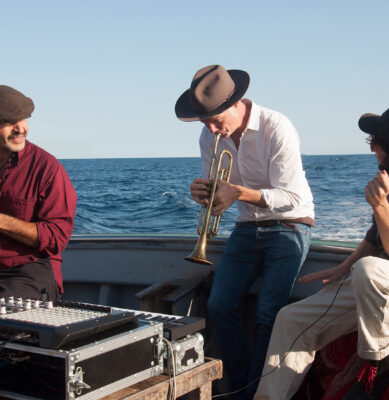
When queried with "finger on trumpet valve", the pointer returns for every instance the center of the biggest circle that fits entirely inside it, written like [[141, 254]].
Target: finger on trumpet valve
[[209, 186]]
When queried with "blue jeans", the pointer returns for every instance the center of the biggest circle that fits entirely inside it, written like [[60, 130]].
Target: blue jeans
[[274, 254]]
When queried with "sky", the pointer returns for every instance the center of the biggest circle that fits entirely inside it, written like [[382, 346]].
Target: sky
[[105, 75]]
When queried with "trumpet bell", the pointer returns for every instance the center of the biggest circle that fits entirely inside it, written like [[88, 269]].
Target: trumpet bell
[[198, 260], [198, 254]]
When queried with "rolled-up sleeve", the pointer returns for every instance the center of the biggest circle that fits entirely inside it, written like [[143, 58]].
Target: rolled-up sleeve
[[55, 216]]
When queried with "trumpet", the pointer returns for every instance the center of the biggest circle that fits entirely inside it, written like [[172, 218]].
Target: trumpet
[[208, 225]]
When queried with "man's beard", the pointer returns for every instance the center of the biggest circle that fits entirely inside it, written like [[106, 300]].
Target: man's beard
[[12, 147]]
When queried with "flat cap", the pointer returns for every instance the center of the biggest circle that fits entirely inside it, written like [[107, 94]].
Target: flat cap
[[14, 106]]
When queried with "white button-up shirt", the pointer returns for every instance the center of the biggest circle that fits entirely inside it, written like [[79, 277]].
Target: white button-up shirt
[[269, 160]]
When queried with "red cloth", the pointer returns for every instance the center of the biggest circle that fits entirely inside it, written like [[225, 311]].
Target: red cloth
[[335, 369], [36, 188]]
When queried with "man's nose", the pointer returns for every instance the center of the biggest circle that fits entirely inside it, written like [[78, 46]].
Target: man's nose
[[19, 129]]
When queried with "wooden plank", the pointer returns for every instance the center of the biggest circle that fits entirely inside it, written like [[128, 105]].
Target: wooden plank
[[202, 393], [157, 388]]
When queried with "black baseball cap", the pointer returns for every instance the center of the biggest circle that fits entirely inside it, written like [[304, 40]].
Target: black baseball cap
[[377, 126]]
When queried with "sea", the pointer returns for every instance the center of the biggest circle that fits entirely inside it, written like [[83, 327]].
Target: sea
[[151, 195]]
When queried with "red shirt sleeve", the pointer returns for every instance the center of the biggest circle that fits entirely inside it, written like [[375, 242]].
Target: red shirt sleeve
[[55, 214]]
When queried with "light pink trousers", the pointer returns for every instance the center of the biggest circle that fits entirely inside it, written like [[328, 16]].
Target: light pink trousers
[[302, 328]]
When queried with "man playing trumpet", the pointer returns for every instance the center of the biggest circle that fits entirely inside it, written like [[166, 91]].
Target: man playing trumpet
[[272, 233]]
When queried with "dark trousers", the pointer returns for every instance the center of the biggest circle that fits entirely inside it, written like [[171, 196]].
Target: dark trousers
[[276, 255], [33, 281]]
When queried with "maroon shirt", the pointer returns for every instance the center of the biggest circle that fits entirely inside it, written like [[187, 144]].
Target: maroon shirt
[[35, 188]]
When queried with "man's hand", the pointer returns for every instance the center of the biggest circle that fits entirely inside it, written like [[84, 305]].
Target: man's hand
[[377, 190], [199, 189], [326, 275], [225, 195]]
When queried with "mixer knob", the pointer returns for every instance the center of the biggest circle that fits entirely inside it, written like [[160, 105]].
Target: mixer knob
[[28, 304], [10, 301], [36, 303], [19, 302], [2, 301], [49, 304], [3, 310]]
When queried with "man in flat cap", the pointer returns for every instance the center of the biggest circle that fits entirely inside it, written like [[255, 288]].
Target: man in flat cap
[[272, 234], [355, 298], [37, 207]]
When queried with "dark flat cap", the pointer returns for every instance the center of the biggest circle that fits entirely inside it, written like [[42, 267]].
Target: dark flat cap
[[14, 106]]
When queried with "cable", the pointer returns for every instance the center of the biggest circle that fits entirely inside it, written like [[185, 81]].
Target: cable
[[173, 394], [290, 348], [190, 307]]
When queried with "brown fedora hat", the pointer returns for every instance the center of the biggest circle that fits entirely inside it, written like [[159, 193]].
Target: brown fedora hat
[[213, 90]]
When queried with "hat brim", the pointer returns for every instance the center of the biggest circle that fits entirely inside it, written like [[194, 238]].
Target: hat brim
[[369, 123], [185, 112]]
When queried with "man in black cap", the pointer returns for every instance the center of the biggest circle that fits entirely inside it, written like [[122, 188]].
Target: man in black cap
[[272, 235], [355, 298], [37, 207]]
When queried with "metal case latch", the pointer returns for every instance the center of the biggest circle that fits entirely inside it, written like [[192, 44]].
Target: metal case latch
[[76, 383]]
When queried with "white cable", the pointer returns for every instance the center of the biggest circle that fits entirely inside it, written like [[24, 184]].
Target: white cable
[[173, 393], [190, 307]]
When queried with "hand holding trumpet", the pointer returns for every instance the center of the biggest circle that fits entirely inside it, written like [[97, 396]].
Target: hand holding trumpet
[[226, 193], [200, 190]]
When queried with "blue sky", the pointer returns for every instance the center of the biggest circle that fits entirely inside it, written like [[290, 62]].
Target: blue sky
[[105, 75]]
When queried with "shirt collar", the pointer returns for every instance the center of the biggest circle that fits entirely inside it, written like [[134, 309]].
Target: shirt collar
[[254, 119]]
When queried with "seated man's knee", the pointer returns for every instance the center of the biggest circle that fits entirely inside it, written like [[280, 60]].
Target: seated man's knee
[[363, 270], [370, 272]]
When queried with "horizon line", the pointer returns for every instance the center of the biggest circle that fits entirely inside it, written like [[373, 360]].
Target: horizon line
[[178, 157]]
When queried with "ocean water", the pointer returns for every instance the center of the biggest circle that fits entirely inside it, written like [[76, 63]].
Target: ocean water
[[151, 195]]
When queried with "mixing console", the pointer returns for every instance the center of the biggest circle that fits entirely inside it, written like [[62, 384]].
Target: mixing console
[[53, 326]]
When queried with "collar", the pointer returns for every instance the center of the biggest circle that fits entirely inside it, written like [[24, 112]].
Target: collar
[[254, 119]]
